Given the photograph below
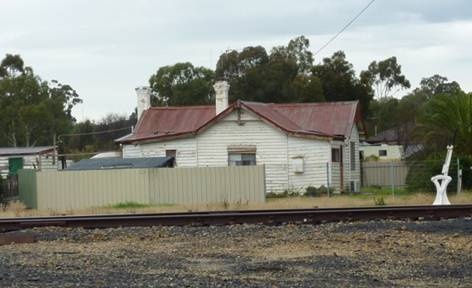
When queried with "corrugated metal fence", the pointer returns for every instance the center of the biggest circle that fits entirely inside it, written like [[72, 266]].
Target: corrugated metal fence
[[62, 190], [392, 173]]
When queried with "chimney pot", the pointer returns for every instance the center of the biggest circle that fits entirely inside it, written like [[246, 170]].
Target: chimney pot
[[221, 96], [143, 94]]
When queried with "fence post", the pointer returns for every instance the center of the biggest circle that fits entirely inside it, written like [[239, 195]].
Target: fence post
[[392, 180], [459, 177], [327, 178]]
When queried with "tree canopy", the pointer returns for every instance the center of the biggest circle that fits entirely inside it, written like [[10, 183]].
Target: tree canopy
[[340, 83], [286, 74], [33, 111], [447, 119], [182, 84], [387, 77], [283, 75]]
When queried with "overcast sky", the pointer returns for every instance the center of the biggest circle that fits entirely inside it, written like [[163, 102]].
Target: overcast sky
[[104, 49]]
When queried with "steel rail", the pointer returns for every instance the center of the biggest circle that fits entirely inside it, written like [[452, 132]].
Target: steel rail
[[268, 217]]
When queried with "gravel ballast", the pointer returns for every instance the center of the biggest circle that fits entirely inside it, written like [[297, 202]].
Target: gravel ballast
[[359, 254]]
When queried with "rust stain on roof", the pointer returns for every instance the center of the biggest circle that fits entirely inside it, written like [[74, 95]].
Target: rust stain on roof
[[326, 119]]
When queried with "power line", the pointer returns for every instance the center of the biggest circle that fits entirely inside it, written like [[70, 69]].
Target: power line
[[95, 133], [344, 28]]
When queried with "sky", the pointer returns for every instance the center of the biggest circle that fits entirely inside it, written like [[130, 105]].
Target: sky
[[106, 48]]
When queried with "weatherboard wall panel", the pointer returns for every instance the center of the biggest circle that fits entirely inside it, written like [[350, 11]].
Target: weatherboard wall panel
[[186, 151], [315, 155], [270, 143], [351, 175]]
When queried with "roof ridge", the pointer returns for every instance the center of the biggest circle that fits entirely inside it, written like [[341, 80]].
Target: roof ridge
[[316, 103], [181, 107]]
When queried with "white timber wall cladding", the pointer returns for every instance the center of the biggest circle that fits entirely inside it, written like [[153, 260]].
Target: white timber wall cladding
[[315, 155], [67, 190], [186, 151], [351, 175], [29, 162], [336, 166], [270, 143]]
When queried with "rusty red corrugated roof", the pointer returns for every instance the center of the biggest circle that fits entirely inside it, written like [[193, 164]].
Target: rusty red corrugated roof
[[326, 119], [334, 118]]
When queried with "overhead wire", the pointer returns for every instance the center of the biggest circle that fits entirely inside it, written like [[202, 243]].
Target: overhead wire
[[344, 28]]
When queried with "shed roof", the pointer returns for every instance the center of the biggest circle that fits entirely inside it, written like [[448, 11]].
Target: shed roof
[[22, 151], [122, 163], [398, 135], [327, 119]]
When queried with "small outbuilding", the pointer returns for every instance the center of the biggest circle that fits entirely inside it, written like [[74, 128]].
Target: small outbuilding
[[13, 159]]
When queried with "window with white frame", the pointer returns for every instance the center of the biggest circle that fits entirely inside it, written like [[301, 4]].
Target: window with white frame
[[241, 155], [241, 159]]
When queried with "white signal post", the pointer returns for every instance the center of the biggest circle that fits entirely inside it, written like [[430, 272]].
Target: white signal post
[[442, 180]]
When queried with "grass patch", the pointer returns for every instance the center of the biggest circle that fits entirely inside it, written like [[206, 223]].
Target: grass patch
[[129, 205], [377, 191]]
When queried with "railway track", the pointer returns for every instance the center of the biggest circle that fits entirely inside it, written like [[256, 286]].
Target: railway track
[[268, 217]]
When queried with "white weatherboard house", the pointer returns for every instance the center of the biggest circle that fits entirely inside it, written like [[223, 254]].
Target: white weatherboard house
[[300, 145]]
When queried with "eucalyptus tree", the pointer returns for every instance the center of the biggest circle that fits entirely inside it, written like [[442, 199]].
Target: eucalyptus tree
[[32, 111], [340, 82], [386, 77], [182, 84]]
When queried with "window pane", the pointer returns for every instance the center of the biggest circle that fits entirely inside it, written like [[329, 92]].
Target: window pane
[[171, 153], [234, 157], [335, 155], [238, 159]]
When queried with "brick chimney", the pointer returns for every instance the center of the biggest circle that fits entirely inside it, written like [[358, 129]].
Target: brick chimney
[[221, 96], [143, 94]]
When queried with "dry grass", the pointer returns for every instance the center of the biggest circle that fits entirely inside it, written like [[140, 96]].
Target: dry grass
[[14, 208], [18, 209]]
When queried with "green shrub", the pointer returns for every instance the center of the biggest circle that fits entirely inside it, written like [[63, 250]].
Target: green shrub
[[285, 194], [371, 158], [316, 192], [379, 201], [311, 192], [420, 172]]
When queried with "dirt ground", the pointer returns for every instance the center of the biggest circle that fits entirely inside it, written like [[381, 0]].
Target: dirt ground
[[19, 210], [361, 254]]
